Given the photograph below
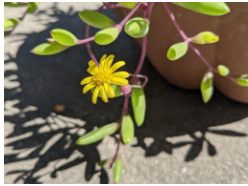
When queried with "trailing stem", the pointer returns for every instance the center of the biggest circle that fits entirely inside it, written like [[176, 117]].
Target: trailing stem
[[186, 39]]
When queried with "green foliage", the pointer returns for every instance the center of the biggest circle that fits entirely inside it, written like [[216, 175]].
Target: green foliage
[[207, 86], [102, 163], [32, 7], [118, 166], [205, 38], [223, 70], [106, 36], [9, 23], [14, 4], [64, 37], [98, 134], [208, 8], [48, 49], [242, 82], [137, 27], [139, 105], [176, 51], [96, 19], [130, 5], [127, 129]]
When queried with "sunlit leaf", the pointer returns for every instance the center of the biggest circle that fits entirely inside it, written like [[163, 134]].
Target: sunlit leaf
[[205, 38], [64, 37], [223, 70], [98, 134], [127, 129], [209, 8], [242, 82], [117, 171], [48, 49], [139, 105], [9, 23], [32, 7], [137, 27], [130, 5], [96, 19], [106, 36], [14, 4], [207, 86], [176, 51]]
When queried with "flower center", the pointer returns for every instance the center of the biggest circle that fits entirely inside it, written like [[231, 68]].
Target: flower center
[[101, 77]]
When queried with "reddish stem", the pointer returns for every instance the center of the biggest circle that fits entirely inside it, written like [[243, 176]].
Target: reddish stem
[[187, 40], [92, 56], [124, 111], [83, 41], [122, 23], [144, 43]]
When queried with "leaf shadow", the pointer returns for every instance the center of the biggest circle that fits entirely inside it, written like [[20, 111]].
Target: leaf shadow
[[46, 81]]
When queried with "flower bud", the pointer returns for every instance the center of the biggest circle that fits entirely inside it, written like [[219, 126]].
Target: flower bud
[[125, 89]]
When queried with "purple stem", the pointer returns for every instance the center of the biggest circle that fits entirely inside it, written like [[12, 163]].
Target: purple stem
[[83, 41], [92, 56], [122, 23], [124, 111], [144, 43], [186, 40]]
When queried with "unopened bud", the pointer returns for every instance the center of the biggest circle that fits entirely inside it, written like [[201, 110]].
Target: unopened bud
[[125, 89]]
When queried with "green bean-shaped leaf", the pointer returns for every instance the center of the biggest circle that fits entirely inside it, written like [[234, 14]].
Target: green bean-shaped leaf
[[205, 38], [127, 129], [98, 134], [207, 86], [96, 19], [14, 4], [223, 70], [32, 7], [137, 27], [118, 166], [103, 162], [139, 105], [130, 5], [106, 36], [64, 37], [176, 51], [48, 49], [9, 23], [208, 8], [242, 82]]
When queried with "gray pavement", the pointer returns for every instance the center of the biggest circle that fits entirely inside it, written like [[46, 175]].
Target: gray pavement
[[182, 140]]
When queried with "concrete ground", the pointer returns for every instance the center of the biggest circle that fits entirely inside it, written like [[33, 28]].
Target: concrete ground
[[181, 141]]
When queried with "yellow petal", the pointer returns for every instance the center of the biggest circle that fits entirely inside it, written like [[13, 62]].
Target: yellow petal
[[88, 87], [93, 69], [95, 94], [109, 61], [121, 74], [116, 66], [109, 89], [118, 81], [86, 80], [103, 94], [91, 62], [102, 61]]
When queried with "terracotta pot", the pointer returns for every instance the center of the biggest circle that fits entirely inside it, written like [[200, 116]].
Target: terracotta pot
[[187, 72]]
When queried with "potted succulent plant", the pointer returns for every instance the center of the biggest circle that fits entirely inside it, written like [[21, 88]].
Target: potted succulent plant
[[169, 54]]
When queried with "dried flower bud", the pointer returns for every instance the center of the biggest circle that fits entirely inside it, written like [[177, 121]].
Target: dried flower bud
[[125, 89]]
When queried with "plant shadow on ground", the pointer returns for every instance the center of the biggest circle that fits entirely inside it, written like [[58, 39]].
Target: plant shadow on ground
[[46, 81]]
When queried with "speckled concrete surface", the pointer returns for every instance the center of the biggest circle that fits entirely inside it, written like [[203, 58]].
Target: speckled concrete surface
[[181, 141]]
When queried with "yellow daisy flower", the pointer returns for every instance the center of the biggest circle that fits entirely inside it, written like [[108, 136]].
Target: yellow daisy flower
[[103, 76]]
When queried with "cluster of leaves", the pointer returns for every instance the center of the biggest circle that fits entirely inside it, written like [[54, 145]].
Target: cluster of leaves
[[137, 27], [9, 24]]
